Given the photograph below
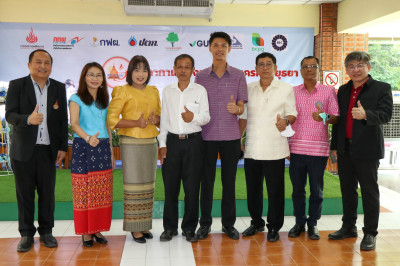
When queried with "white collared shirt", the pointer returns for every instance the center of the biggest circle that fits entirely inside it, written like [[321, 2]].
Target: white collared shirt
[[263, 139], [41, 99], [194, 97]]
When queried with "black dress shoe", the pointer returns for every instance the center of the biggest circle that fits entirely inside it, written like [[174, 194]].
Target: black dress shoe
[[148, 235], [49, 240], [87, 243], [313, 233], [101, 239], [296, 230], [203, 232], [25, 244], [231, 232], [190, 236], [252, 230], [272, 235], [167, 235], [343, 233], [140, 240], [368, 242]]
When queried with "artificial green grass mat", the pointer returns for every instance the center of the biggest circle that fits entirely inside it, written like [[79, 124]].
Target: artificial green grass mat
[[64, 190]]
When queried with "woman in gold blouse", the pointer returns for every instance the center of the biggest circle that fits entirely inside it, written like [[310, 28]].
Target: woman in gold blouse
[[140, 108]]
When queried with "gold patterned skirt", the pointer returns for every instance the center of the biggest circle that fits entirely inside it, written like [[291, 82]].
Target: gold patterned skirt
[[139, 166]]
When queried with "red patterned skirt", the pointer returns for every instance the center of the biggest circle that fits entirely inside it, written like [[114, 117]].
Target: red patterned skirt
[[92, 185]]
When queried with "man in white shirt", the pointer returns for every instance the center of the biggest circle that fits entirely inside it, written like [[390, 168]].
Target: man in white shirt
[[271, 107], [184, 110]]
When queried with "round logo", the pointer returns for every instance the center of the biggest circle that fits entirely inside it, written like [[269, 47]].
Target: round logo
[[116, 68], [279, 42]]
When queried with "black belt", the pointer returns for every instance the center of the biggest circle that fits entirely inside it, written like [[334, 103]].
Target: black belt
[[184, 136], [42, 145]]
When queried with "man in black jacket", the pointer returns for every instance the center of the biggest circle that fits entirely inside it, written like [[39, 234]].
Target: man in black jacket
[[36, 107], [357, 141]]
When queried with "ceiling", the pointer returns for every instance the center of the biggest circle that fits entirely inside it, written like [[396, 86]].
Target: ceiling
[[278, 2]]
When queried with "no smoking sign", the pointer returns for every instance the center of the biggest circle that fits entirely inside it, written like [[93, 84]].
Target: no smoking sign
[[332, 78]]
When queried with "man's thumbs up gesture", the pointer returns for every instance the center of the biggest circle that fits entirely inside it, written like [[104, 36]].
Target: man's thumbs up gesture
[[35, 118], [280, 123], [358, 112], [232, 107], [187, 116]]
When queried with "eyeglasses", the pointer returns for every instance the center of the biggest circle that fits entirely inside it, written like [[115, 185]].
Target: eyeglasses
[[309, 67], [354, 67], [93, 76], [267, 65]]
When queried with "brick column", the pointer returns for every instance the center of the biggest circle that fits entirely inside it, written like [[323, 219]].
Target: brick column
[[332, 47]]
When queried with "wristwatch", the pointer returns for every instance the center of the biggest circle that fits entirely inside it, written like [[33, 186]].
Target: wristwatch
[[87, 138], [287, 120]]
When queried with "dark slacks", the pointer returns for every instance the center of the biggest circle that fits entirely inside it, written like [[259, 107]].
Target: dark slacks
[[184, 162], [354, 171], [274, 173], [39, 173], [229, 152], [314, 166]]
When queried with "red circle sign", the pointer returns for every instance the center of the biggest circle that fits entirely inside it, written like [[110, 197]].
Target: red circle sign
[[331, 79]]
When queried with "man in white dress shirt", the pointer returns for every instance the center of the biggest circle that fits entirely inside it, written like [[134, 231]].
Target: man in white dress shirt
[[184, 110], [271, 107]]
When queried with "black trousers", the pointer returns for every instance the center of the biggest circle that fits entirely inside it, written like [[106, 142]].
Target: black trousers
[[184, 162], [274, 173], [354, 171], [229, 152], [300, 167], [39, 173]]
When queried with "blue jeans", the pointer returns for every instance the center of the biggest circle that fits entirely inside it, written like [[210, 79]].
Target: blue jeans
[[314, 166]]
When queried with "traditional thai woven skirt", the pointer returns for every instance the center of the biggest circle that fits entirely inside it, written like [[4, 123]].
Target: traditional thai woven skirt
[[92, 186], [139, 165]]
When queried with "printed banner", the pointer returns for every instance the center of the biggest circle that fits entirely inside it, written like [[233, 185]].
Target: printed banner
[[72, 46]]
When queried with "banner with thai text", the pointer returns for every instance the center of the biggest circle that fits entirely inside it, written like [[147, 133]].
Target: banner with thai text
[[74, 45]]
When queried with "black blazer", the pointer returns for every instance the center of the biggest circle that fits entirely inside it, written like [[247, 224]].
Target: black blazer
[[20, 103], [367, 141]]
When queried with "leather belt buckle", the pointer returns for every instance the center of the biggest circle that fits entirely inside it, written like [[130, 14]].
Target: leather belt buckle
[[183, 136]]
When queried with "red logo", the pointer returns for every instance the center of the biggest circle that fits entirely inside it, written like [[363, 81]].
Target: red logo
[[31, 38]]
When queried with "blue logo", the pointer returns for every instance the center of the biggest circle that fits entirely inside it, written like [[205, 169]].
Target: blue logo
[[279, 42]]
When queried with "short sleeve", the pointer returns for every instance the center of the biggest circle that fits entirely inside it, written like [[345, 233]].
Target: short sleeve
[[75, 98]]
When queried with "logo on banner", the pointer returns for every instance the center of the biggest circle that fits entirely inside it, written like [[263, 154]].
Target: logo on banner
[[236, 44], [258, 42], [104, 42], [31, 38], [116, 68], [62, 43], [199, 43], [173, 38], [132, 41], [279, 42], [145, 42]]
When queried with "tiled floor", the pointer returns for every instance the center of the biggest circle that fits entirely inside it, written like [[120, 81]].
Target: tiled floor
[[217, 249]]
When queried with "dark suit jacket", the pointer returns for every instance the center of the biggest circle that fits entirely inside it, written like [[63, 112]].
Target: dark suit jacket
[[367, 141], [20, 103]]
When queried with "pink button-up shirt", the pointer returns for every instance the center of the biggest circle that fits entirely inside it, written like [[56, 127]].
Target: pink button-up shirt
[[311, 137]]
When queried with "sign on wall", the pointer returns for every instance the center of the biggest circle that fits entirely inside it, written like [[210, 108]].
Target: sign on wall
[[332, 78], [72, 46]]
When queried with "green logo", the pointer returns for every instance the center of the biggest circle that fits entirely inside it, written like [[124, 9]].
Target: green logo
[[172, 38]]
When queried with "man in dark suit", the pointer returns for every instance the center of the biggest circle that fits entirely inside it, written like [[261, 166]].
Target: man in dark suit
[[36, 108], [357, 141]]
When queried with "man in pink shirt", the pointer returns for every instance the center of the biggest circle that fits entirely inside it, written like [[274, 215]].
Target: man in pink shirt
[[309, 147]]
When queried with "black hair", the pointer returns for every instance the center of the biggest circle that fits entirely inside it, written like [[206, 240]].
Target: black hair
[[264, 55], [220, 34]]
